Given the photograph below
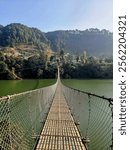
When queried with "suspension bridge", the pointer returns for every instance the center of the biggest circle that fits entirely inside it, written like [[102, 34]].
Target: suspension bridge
[[56, 118]]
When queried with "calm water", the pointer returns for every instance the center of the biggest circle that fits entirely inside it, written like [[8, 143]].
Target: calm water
[[95, 119], [9, 87], [99, 87]]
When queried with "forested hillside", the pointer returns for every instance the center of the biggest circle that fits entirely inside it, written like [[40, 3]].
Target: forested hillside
[[14, 34], [30, 53], [94, 41]]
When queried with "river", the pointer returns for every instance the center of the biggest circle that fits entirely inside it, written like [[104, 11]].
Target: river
[[9, 87], [99, 87]]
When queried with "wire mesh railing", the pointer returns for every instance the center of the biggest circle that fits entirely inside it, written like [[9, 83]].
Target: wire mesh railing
[[22, 117], [93, 115]]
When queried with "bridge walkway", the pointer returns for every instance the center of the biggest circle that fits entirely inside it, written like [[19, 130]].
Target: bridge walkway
[[60, 131]]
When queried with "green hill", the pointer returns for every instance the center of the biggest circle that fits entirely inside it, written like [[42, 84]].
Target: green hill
[[15, 34], [96, 42], [29, 53]]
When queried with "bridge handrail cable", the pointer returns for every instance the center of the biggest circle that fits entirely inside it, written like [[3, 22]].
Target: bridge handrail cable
[[94, 116]]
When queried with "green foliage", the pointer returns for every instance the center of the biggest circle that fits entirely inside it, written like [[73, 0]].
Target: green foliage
[[3, 67], [15, 34], [85, 71], [2, 57], [94, 41], [4, 71], [36, 65]]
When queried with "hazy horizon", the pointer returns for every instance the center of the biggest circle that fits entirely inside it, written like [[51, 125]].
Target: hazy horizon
[[52, 15], [56, 29]]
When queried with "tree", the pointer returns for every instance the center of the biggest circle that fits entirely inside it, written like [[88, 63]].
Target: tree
[[15, 33], [3, 67], [2, 57], [39, 73], [62, 53]]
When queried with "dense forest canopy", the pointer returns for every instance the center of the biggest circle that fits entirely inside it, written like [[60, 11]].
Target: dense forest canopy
[[30, 53], [15, 34], [96, 42]]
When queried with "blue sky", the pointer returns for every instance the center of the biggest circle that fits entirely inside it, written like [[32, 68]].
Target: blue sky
[[50, 15]]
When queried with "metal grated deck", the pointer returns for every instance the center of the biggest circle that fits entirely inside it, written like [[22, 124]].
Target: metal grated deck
[[59, 131]]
